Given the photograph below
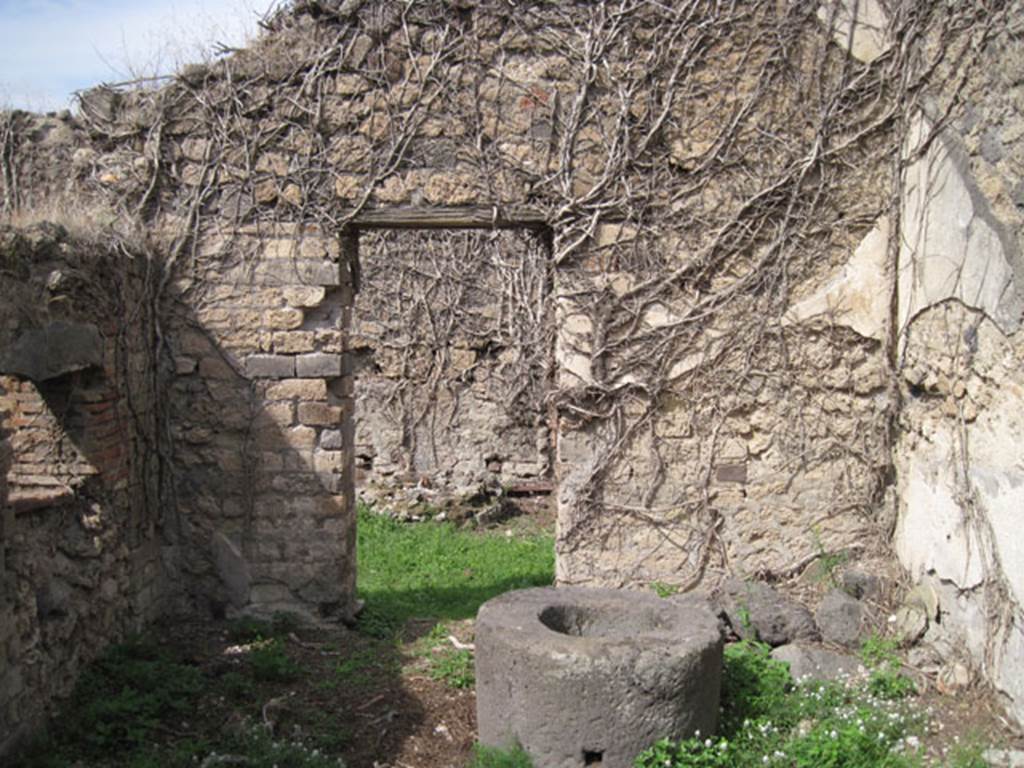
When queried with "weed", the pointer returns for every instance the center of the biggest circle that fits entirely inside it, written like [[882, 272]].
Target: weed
[[257, 749], [886, 680], [122, 697], [878, 651], [828, 563], [967, 754], [754, 685], [454, 667], [272, 664], [330, 734], [120, 700], [437, 570], [661, 589], [237, 686], [746, 623], [494, 757], [768, 720]]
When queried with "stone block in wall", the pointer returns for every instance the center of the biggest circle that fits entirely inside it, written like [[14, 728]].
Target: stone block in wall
[[303, 389], [284, 319], [303, 295], [216, 368], [318, 364], [300, 437], [292, 342], [331, 440], [319, 414], [270, 366]]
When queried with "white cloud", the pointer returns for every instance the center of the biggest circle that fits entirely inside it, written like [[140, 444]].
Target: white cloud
[[48, 48]]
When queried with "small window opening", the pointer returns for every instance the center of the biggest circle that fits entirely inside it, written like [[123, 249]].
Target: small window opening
[[592, 757]]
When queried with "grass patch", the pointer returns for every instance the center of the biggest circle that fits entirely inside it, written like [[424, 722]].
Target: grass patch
[[493, 757], [769, 720], [122, 701], [453, 667], [436, 570]]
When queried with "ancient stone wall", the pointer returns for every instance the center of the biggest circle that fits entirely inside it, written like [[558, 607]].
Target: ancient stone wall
[[260, 411], [79, 551], [721, 192], [959, 312], [702, 185], [452, 360]]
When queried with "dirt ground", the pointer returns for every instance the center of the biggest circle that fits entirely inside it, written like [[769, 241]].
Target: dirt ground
[[388, 703], [369, 701], [375, 704]]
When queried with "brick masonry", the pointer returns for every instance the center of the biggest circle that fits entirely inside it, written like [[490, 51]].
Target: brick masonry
[[79, 552]]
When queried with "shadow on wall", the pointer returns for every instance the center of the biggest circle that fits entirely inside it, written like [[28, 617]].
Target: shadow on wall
[[259, 409], [218, 485], [80, 560]]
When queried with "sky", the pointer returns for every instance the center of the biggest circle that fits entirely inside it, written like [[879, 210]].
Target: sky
[[50, 48]]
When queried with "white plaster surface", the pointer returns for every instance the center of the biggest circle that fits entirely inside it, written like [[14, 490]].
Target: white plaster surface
[[950, 247], [931, 536], [859, 26], [857, 296]]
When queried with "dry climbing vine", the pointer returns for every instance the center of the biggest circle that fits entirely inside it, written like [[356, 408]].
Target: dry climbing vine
[[701, 165]]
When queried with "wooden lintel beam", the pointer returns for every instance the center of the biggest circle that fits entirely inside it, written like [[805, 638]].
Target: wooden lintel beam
[[470, 217]]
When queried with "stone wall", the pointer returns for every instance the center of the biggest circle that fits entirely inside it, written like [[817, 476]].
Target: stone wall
[[960, 308], [709, 414], [79, 551], [260, 412], [724, 287], [452, 356]]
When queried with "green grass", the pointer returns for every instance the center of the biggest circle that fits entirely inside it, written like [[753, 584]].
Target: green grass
[[454, 667], [121, 701], [492, 757], [769, 720], [435, 570]]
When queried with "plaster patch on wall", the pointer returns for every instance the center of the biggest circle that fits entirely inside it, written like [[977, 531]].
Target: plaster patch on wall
[[951, 245], [859, 26], [857, 296], [997, 477], [932, 535], [1009, 668]]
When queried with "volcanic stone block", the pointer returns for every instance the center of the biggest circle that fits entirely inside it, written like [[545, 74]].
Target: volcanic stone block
[[318, 364], [270, 366], [583, 676], [58, 348]]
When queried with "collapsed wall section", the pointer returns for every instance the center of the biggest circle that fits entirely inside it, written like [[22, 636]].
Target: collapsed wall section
[[79, 548]]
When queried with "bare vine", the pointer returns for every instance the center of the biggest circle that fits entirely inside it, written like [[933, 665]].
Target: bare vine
[[701, 166]]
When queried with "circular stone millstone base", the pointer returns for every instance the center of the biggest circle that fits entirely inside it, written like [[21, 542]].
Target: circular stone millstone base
[[583, 677]]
